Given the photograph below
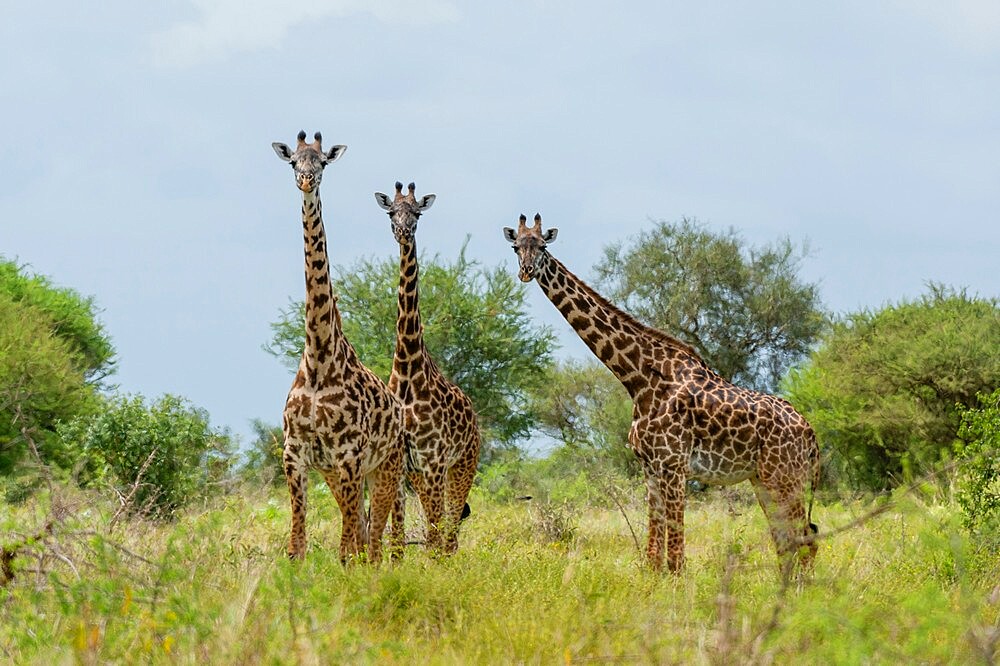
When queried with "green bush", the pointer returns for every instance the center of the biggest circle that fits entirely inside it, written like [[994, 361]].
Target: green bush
[[158, 457], [262, 460], [885, 389], [586, 408], [744, 308], [978, 491]]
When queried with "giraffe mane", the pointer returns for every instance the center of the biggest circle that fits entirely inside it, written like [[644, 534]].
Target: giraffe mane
[[648, 331]]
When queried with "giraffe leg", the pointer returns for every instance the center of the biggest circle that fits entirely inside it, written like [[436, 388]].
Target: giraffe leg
[[295, 475], [348, 487], [429, 489], [397, 536], [360, 532], [783, 472], [385, 491], [792, 533], [665, 494], [460, 478]]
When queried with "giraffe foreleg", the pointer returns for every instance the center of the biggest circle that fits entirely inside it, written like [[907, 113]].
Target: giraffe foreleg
[[665, 494], [296, 477], [360, 539]]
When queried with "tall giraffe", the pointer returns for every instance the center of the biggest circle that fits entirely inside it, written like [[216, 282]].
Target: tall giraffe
[[442, 444], [687, 421], [339, 416]]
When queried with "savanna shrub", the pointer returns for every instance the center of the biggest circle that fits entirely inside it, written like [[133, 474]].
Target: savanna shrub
[[886, 388], [978, 490], [165, 452]]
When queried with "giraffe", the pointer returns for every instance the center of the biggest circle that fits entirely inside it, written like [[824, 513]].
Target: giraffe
[[442, 446], [687, 421], [339, 417]]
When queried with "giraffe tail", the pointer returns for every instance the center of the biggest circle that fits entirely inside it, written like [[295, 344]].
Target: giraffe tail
[[813, 486]]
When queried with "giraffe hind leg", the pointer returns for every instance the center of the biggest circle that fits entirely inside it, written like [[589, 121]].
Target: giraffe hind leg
[[385, 493], [397, 536], [792, 533], [429, 488], [460, 478]]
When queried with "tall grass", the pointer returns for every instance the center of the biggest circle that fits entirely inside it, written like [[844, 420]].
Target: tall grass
[[531, 583]]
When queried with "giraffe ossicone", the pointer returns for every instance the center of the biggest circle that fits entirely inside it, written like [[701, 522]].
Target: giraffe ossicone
[[687, 421]]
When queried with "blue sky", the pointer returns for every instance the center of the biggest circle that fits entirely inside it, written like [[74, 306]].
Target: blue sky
[[137, 167]]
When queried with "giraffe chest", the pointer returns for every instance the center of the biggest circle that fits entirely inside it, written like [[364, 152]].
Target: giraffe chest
[[342, 426], [439, 432]]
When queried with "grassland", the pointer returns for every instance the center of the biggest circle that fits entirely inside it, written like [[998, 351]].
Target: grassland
[[532, 583]]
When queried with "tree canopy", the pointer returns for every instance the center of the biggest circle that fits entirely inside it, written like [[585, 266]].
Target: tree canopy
[[72, 318], [475, 327], [744, 309], [54, 354], [885, 388]]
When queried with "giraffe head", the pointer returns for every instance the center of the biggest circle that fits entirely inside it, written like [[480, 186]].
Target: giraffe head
[[529, 245], [308, 160], [404, 211]]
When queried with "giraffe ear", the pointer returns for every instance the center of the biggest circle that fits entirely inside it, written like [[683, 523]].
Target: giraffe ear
[[283, 151], [383, 200], [426, 202], [550, 235], [334, 154], [509, 234]]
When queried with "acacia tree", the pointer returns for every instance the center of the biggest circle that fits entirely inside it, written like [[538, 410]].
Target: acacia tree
[[744, 309], [886, 388], [475, 327], [54, 356], [72, 318]]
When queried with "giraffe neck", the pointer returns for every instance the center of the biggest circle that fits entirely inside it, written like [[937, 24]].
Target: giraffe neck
[[615, 337], [326, 350], [409, 363]]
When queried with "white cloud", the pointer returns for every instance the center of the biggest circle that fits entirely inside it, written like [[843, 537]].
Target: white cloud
[[224, 27]]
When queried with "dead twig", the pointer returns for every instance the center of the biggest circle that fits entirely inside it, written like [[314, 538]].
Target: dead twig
[[125, 501], [722, 652], [611, 491]]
